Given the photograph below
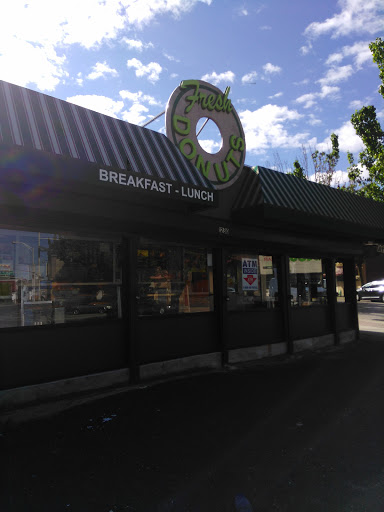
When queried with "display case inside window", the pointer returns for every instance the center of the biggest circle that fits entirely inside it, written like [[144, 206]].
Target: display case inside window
[[308, 284], [252, 282], [174, 279], [50, 279]]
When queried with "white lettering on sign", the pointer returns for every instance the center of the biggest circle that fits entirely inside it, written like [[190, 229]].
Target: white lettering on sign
[[194, 193], [129, 180], [250, 274]]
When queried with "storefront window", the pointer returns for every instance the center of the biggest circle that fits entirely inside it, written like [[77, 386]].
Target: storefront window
[[51, 279], [173, 279], [252, 282], [308, 282], [339, 271]]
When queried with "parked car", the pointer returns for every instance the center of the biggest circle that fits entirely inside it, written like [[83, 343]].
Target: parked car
[[148, 305], [92, 307], [371, 291]]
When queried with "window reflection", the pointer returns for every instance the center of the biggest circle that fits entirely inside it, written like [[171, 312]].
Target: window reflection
[[49, 279], [308, 282], [339, 272], [174, 279], [252, 281]]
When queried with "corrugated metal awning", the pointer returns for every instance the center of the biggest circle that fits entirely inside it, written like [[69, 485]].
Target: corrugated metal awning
[[33, 120], [304, 203]]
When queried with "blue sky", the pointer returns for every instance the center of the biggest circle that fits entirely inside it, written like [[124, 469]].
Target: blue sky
[[297, 70]]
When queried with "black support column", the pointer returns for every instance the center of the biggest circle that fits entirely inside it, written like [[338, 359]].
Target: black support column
[[350, 290], [285, 298], [129, 305], [220, 297]]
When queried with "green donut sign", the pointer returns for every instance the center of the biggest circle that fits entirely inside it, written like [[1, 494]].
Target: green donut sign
[[192, 101]]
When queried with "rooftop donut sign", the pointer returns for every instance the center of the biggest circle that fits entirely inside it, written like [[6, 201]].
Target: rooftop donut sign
[[192, 101]]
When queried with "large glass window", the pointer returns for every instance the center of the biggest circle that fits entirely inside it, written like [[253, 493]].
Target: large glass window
[[308, 282], [252, 281], [173, 279], [50, 279]]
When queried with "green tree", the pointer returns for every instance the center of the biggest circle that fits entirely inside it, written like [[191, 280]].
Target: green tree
[[368, 128], [325, 163], [298, 171]]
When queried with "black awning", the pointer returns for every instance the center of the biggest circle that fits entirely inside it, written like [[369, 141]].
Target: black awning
[[267, 195], [36, 121]]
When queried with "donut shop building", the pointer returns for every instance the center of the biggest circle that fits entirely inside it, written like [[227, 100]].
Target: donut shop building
[[126, 254]]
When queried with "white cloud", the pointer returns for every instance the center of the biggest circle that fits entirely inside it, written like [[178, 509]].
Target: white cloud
[[144, 11], [313, 120], [216, 79], [348, 140], [139, 97], [135, 114], [355, 16], [339, 178], [35, 34], [310, 99], [101, 69], [271, 69], [359, 52], [210, 146], [266, 128], [356, 105], [150, 71], [304, 50], [249, 78], [336, 75], [277, 95], [136, 44], [170, 57], [246, 101], [100, 104], [36, 64]]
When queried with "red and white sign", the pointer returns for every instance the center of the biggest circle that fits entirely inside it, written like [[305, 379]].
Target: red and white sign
[[250, 274]]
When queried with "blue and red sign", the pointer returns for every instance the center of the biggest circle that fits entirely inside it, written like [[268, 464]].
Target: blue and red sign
[[250, 273]]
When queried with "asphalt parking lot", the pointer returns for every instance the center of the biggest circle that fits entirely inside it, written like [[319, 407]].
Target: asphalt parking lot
[[371, 316], [295, 434]]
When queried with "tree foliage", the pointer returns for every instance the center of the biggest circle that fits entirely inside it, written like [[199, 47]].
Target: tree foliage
[[325, 163], [367, 176], [298, 171]]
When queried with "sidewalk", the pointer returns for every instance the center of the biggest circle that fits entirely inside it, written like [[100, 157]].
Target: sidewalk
[[194, 443]]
